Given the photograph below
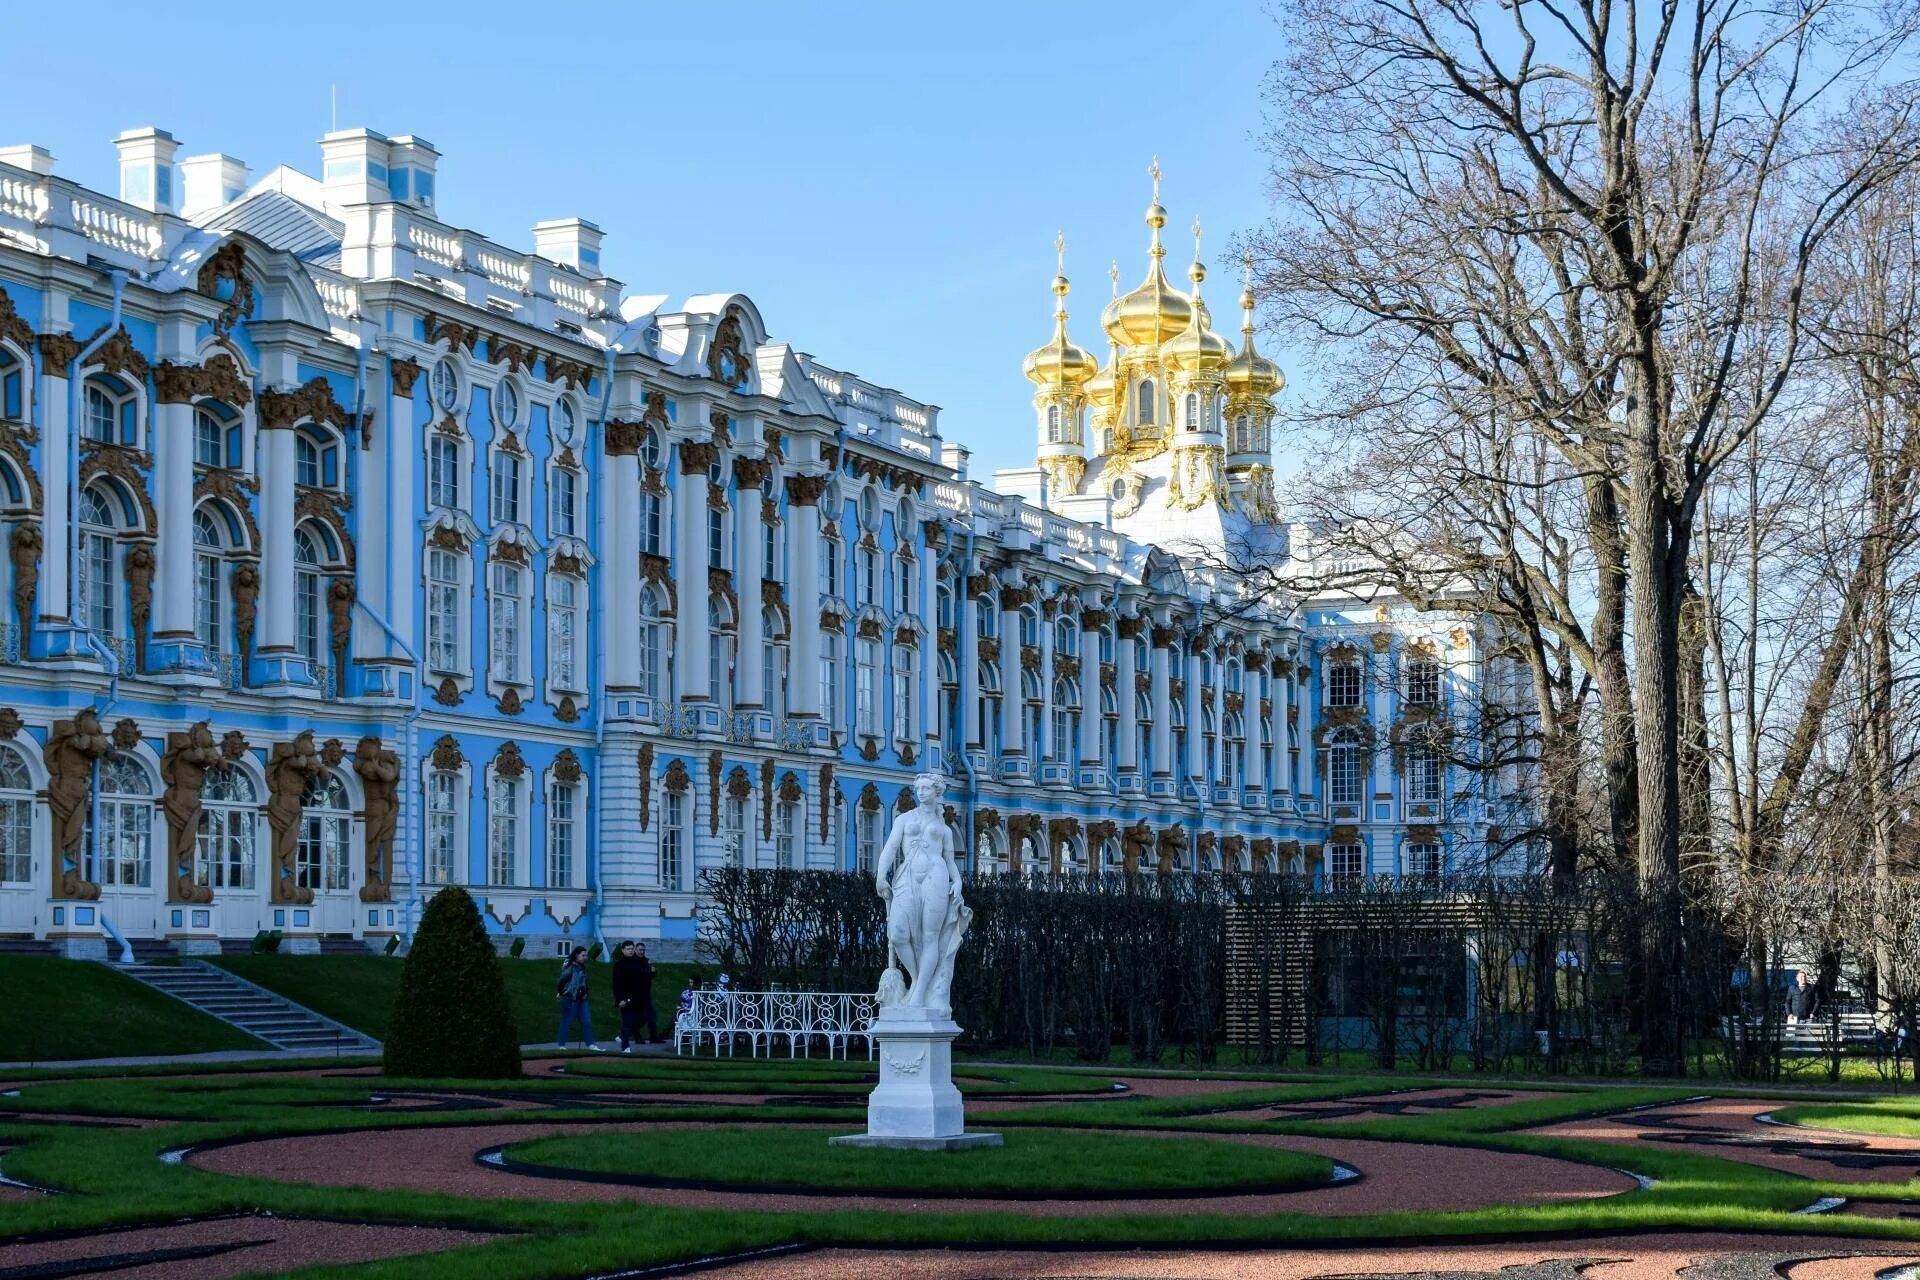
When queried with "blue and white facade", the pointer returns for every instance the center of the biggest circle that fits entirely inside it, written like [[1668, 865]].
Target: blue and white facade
[[352, 554]]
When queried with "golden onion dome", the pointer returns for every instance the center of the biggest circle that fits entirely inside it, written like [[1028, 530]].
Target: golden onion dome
[[1101, 387], [1155, 311], [1250, 373], [1059, 363], [1197, 348]]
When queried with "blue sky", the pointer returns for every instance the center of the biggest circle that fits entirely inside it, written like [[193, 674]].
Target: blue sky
[[885, 180]]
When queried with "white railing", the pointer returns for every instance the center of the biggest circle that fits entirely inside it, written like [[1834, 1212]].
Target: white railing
[[115, 225], [570, 295], [502, 270], [338, 297], [23, 196], [763, 1019], [435, 246]]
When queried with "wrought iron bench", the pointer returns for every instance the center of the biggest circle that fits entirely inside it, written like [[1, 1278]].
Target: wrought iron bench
[[766, 1019]]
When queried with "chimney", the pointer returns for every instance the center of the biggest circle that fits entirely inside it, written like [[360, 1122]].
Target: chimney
[[413, 163], [354, 166], [35, 160], [209, 181], [146, 168], [574, 242]]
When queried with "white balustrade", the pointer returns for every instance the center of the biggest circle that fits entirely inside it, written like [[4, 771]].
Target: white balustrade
[[22, 195], [115, 225], [763, 1019]]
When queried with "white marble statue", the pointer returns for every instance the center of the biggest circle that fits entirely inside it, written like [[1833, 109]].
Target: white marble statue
[[919, 881]]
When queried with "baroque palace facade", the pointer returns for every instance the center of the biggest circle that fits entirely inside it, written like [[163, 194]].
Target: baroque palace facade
[[351, 554]]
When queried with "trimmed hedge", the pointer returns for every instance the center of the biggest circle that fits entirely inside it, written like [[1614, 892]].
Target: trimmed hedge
[[451, 1017]]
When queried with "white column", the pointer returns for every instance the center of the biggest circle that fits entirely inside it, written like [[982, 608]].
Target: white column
[[56, 529], [967, 651], [690, 572], [803, 593], [1091, 722], [1125, 677], [1195, 763], [749, 557], [1012, 705], [276, 534], [173, 505], [619, 482], [1160, 699]]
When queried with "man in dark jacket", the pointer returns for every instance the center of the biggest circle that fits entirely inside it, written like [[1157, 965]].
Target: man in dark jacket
[[633, 992]]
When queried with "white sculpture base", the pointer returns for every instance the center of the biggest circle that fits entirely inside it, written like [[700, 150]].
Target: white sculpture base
[[915, 1105]]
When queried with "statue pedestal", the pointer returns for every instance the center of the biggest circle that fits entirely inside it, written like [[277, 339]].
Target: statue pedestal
[[915, 1105]]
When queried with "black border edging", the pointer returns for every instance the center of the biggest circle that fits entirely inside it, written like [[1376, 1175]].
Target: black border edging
[[494, 1157]]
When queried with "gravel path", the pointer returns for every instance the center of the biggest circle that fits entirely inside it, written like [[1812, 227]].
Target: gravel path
[[219, 1247], [1728, 1127], [1639, 1257], [1398, 1176]]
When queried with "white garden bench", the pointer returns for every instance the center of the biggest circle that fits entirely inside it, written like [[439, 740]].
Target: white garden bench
[[764, 1019]]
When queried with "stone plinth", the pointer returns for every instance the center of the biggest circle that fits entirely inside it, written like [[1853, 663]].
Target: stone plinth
[[915, 1105]]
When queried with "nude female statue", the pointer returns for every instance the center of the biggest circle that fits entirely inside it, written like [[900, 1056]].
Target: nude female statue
[[919, 881]]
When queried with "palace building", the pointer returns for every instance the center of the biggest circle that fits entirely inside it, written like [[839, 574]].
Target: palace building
[[351, 554]]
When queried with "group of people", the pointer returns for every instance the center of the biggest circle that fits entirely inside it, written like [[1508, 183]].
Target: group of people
[[632, 994]]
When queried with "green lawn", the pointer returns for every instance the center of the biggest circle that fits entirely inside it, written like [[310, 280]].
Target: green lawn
[[1895, 1117], [359, 990], [1051, 1161], [56, 1010]]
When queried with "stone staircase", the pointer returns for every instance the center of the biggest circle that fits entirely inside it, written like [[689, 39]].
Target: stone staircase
[[255, 1010]]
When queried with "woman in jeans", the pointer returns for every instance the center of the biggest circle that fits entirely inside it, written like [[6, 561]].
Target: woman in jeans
[[572, 994]]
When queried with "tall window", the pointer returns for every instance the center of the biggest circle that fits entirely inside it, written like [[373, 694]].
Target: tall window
[[13, 400], [1423, 774], [1142, 732], [99, 585], [716, 537], [786, 833], [209, 587], [443, 799], [323, 854], [1053, 424], [1234, 752], [1343, 684], [1346, 769], [503, 830], [1424, 861], [1145, 414], [1030, 696], [650, 523], [126, 823], [739, 832], [1266, 752], [563, 824], [772, 664], [673, 838], [1423, 681], [719, 655], [866, 833], [1346, 863], [1066, 720], [906, 586], [443, 472], [563, 629], [903, 691], [651, 656], [830, 677], [506, 487], [562, 496], [443, 610], [869, 583], [229, 806], [106, 407], [866, 687], [16, 818], [210, 440], [503, 622], [308, 600], [829, 568], [1193, 412], [306, 460], [987, 708], [1242, 438]]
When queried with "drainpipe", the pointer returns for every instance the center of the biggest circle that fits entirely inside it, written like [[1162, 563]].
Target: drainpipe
[[597, 661], [409, 750]]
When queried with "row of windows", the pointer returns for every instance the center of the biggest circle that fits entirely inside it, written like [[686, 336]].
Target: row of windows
[[509, 604]]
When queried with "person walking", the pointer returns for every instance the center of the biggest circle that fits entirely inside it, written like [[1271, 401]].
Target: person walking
[[633, 993], [1800, 998], [571, 991]]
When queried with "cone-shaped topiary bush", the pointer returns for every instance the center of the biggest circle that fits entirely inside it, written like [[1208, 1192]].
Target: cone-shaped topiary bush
[[451, 1017]]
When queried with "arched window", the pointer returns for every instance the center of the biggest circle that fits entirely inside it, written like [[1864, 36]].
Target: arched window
[[1031, 698], [1193, 412], [1106, 440], [1242, 437], [13, 385], [443, 822], [1066, 719], [309, 597], [1109, 726], [216, 437], [1029, 625], [125, 853], [1235, 756], [323, 855], [1266, 752], [108, 416], [99, 585], [988, 859], [944, 604], [1112, 858], [1144, 411], [229, 808], [986, 619], [1177, 731], [16, 813], [506, 809], [1053, 424], [1346, 768], [564, 833], [209, 580], [306, 460], [719, 652], [1066, 636], [773, 663], [652, 653], [949, 671], [717, 538]]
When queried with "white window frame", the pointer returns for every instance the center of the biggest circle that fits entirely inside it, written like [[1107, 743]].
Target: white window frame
[[507, 593], [227, 847], [564, 593], [676, 837], [448, 601], [507, 834], [446, 815], [566, 833], [446, 473], [323, 852]]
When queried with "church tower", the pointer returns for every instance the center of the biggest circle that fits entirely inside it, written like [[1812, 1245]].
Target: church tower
[[1060, 372], [1196, 360], [1139, 324], [1252, 381]]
